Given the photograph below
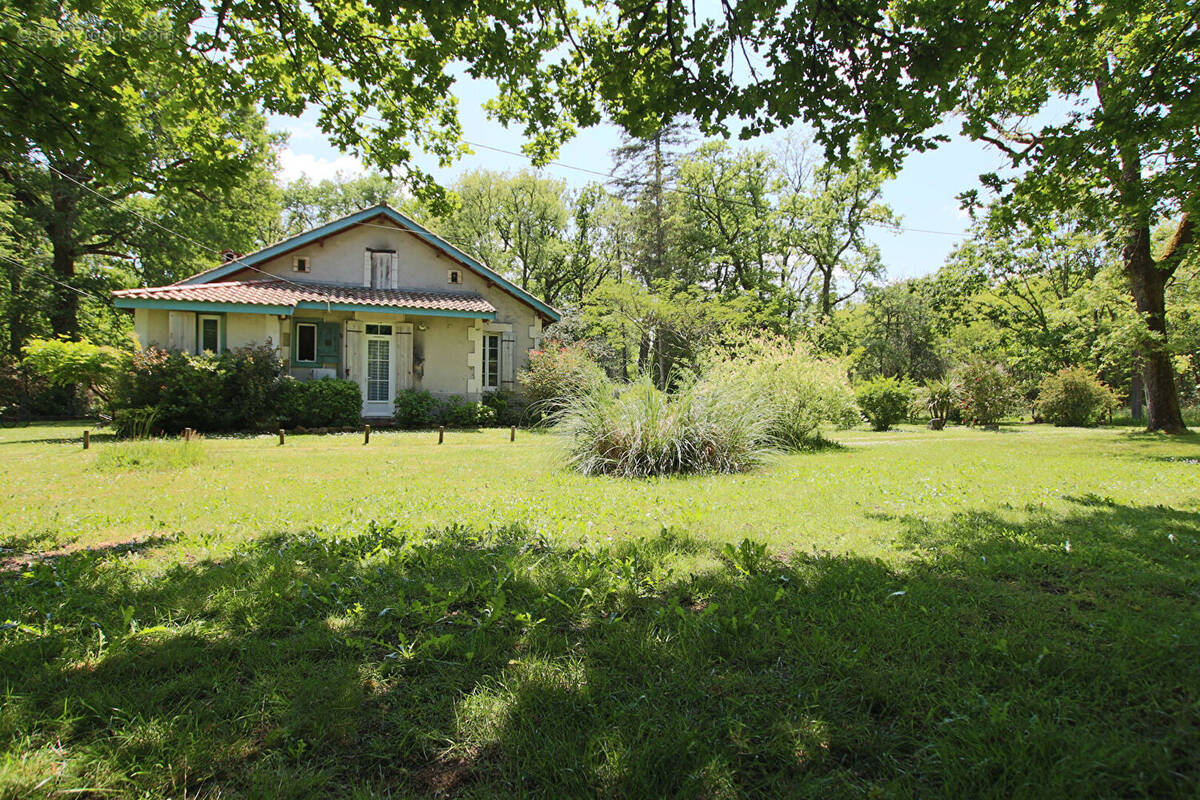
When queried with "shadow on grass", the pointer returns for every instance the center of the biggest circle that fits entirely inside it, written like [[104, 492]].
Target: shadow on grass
[[1002, 661]]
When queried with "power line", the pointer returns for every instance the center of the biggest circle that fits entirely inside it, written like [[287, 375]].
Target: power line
[[162, 227], [58, 282], [608, 176]]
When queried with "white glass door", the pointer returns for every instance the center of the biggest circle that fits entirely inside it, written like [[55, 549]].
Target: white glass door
[[377, 394]]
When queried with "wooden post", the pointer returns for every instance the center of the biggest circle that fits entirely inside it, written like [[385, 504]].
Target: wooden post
[[87, 439], [441, 433], [366, 434], [281, 437], [512, 433]]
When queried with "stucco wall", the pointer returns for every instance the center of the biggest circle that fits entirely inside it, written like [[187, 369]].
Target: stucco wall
[[339, 259]]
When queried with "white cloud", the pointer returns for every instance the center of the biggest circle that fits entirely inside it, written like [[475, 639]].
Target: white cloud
[[293, 165]]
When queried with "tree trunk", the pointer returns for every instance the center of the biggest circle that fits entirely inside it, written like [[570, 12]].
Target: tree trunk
[[1148, 283], [1137, 396], [60, 229]]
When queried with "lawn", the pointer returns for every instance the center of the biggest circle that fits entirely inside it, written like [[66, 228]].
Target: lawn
[[911, 613]]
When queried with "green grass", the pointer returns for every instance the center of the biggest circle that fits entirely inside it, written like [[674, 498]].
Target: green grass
[[928, 614]]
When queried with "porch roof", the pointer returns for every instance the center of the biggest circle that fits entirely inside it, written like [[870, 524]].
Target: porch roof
[[276, 296]]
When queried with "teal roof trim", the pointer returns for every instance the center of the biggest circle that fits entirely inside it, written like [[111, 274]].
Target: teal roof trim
[[360, 217], [287, 311]]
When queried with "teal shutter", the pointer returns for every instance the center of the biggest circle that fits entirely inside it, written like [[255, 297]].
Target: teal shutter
[[329, 343]]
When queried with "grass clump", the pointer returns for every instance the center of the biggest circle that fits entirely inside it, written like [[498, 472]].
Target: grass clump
[[639, 430], [150, 454], [797, 392]]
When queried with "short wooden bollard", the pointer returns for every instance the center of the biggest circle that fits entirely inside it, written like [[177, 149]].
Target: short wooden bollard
[[366, 434], [281, 437], [512, 433], [441, 433], [87, 439]]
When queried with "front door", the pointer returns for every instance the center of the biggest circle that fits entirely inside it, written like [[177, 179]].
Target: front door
[[379, 390]]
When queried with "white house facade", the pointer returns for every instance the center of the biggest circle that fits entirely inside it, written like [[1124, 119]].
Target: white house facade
[[373, 297]]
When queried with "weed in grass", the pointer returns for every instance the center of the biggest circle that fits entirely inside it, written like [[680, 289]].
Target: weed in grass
[[151, 454], [500, 664]]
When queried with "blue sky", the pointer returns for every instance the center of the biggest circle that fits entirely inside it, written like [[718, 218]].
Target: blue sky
[[923, 193]]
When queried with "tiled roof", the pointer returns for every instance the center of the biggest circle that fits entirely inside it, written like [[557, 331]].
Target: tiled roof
[[288, 293]]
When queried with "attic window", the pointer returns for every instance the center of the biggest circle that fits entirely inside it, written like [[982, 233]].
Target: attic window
[[454, 276], [300, 264]]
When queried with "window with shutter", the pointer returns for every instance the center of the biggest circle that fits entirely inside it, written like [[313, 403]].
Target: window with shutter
[[381, 269]]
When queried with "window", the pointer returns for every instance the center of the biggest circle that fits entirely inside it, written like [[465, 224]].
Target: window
[[209, 338], [382, 268], [379, 330], [300, 263], [491, 361], [306, 342], [454, 276]]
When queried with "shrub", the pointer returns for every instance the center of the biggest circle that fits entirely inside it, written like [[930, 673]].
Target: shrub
[[556, 375], [185, 391], [65, 363], [937, 399], [455, 412], [324, 403], [985, 392], [884, 401], [1074, 397], [250, 379], [508, 408], [134, 423], [414, 408], [796, 391], [641, 431]]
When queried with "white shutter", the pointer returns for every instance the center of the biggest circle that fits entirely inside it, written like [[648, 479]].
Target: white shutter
[[404, 343], [354, 354], [366, 268], [394, 269], [507, 363], [181, 331]]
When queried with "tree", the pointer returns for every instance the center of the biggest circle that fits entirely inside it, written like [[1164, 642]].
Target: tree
[[727, 218], [95, 118], [1092, 105], [307, 205], [644, 175], [898, 338], [826, 210]]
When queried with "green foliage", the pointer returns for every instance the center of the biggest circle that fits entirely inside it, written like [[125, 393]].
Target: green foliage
[[324, 403], [1074, 397], [64, 363], [134, 422], [508, 408], [414, 408], [796, 391], [884, 401], [986, 392], [557, 374], [240, 389], [937, 398], [457, 412], [640, 430]]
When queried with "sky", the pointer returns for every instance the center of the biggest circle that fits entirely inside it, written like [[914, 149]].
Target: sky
[[923, 193]]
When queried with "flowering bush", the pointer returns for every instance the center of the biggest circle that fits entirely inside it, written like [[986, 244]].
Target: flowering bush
[[556, 374], [986, 392]]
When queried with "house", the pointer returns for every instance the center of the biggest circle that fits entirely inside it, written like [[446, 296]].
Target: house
[[373, 297]]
